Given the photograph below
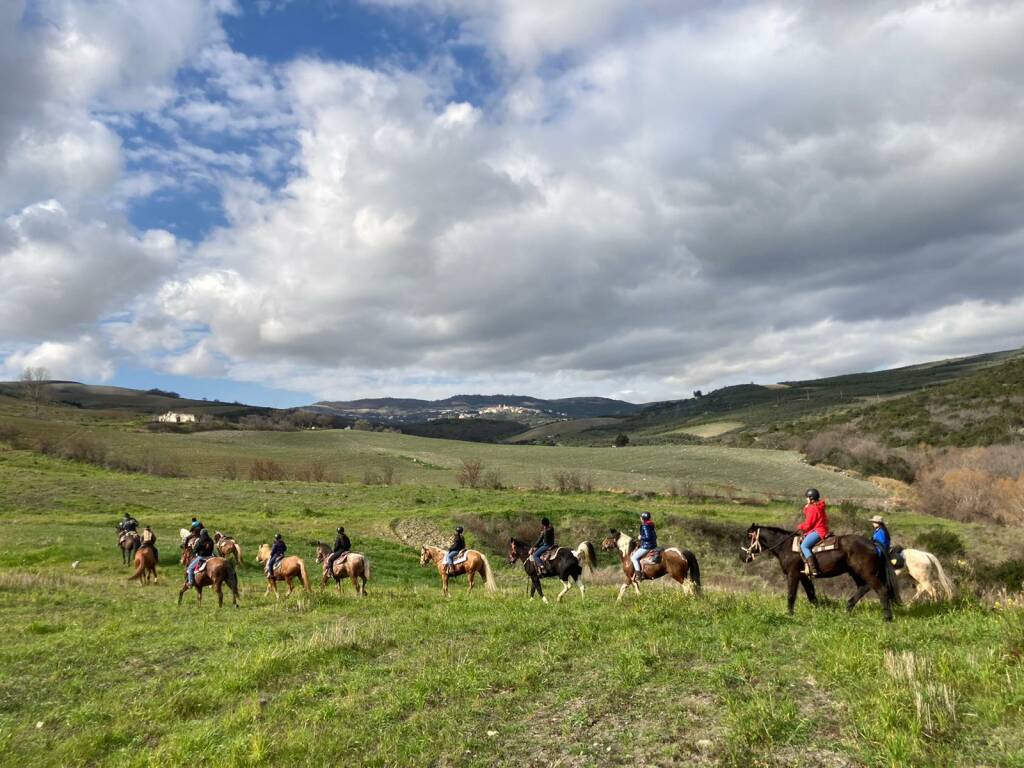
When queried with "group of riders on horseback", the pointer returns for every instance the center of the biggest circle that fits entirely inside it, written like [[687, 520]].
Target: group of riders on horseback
[[642, 558]]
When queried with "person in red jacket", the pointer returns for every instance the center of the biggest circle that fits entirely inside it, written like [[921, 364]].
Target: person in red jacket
[[815, 528]]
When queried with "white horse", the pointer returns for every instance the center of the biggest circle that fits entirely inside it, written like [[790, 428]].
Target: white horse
[[926, 571]]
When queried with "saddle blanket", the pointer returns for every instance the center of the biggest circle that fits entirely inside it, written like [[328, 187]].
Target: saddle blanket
[[340, 559], [201, 567], [825, 545], [653, 557], [462, 557], [550, 554]]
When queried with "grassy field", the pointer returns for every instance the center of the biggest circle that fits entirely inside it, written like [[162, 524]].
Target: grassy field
[[351, 454], [94, 671]]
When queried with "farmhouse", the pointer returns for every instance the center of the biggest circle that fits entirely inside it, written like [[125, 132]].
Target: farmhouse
[[171, 417]]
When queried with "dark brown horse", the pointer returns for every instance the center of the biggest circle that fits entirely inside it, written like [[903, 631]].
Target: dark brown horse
[[145, 566], [475, 562], [356, 566], [217, 572], [128, 542], [566, 564], [680, 564], [854, 555]]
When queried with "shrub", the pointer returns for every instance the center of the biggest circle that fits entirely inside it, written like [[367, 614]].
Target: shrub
[[492, 480], [1008, 574], [230, 471], [571, 481], [12, 435], [469, 473], [621, 440], [941, 543], [266, 470]]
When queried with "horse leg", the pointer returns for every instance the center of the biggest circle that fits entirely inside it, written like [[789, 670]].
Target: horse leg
[[582, 586], [181, 593], [470, 573], [793, 583], [622, 591], [862, 589], [199, 594], [220, 594], [566, 586], [808, 584], [444, 584], [288, 581]]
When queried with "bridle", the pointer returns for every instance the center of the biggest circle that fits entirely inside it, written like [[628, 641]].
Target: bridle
[[757, 548]]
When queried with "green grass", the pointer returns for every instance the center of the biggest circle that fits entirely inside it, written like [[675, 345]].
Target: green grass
[[118, 674]]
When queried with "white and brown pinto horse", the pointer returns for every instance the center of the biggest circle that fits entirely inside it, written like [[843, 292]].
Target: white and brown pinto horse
[[473, 562], [287, 568], [567, 564], [680, 564], [926, 571], [352, 564]]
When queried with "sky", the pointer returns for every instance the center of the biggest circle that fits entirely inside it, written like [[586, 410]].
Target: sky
[[282, 201]]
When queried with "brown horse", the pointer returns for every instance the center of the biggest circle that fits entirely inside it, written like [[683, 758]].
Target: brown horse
[[854, 555], [475, 562], [217, 572], [145, 565], [128, 542], [680, 564], [287, 568], [227, 547], [356, 566]]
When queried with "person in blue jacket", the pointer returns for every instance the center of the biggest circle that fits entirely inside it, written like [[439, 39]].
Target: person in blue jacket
[[277, 550], [648, 541], [881, 535]]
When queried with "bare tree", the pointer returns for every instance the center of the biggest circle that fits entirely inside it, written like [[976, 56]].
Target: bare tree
[[33, 385]]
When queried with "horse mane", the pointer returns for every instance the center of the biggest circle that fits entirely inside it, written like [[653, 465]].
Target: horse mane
[[774, 529]]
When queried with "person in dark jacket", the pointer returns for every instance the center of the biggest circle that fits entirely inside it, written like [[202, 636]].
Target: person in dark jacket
[[128, 524], [203, 549], [545, 541], [195, 526], [648, 541], [458, 544], [881, 537], [277, 550], [341, 545]]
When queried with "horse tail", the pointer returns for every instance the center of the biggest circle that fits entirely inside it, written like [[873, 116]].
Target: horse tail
[[303, 575], [366, 567], [488, 574], [140, 568], [238, 554], [691, 559], [888, 576], [947, 585], [232, 579], [586, 555]]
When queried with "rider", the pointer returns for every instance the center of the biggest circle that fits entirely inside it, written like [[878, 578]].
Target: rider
[[815, 528], [341, 545], [277, 551], [128, 524], [881, 535], [203, 549], [545, 542], [149, 540], [195, 526], [458, 544], [648, 541]]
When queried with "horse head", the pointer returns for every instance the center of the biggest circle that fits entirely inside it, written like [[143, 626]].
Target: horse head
[[516, 550], [611, 543], [263, 553], [754, 546], [425, 556]]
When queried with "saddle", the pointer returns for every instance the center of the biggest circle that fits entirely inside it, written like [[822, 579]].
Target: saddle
[[548, 555], [201, 567], [827, 544], [653, 557], [340, 559], [462, 557]]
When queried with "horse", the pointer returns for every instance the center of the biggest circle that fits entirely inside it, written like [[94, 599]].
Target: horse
[[926, 571], [287, 568], [680, 564], [853, 554], [356, 567], [145, 565], [227, 547], [566, 564], [475, 562], [217, 572], [128, 542]]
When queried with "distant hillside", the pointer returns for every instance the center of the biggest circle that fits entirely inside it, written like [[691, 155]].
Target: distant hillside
[[521, 408], [746, 412]]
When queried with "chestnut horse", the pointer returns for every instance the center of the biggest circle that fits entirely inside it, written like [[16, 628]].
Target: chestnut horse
[[227, 547], [854, 555], [475, 562], [128, 542], [287, 568], [566, 564], [217, 572], [680, 564], [356, 567], [145, 565]]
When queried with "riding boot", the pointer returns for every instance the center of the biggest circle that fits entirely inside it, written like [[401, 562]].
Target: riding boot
[[815, 571], [807, 565]]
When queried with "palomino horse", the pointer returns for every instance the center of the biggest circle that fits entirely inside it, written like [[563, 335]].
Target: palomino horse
[[217, 572], [854, 555], [287, 568], [356, 566], [145, 565], [926, 571], [474, 563], [566, 564], [227, 547], [128, 542], [680, 564]]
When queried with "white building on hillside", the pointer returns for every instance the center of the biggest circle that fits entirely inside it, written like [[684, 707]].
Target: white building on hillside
[[177, 418]]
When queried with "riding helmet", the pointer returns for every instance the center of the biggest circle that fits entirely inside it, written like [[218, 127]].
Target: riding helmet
[[812, 494], [341, 529], [277, 535], [458, 529], [545, 521], [126, 515], [645, 516]]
